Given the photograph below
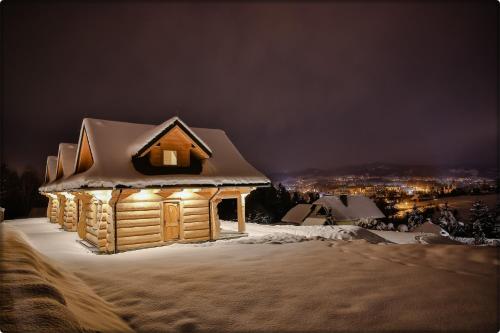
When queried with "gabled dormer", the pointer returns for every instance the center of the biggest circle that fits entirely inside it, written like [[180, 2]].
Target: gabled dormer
[[171, 147], [84, 157], [50, 169], [65, 160]]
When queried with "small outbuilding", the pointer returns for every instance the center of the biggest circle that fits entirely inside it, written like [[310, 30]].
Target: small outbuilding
[[341, 209]]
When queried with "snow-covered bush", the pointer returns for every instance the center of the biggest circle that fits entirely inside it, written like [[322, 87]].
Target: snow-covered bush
[[415, 218], [403, 228], [390, 226], [478, 233], [366, 223], [260, 217], [482, 222], [444, 233], [369, 223], [448, 222]]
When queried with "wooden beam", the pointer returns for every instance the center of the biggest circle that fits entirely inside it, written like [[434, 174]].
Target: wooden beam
[[241, 212]]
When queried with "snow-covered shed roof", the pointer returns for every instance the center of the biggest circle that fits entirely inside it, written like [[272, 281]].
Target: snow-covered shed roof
[[50, 169], [66, 159], [114, 143], [430, 228], [357, 207], [298, 213]]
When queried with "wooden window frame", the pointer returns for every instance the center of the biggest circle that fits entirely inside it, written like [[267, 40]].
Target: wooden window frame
[[176, 157]]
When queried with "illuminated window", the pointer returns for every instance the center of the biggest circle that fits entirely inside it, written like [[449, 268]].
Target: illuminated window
[[169, 157]]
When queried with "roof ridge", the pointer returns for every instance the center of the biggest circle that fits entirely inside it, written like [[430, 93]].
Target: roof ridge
[[149, 124]]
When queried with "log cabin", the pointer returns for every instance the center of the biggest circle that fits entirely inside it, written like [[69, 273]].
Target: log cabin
[[128, 186]]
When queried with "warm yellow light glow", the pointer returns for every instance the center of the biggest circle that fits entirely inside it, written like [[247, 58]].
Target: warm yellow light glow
[[192, 189], [101, 195], [187, 193], [145, 194], [184, 194], [68, 195]]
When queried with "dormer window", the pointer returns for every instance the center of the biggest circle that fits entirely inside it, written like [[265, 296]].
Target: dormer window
[[169, 157], [170, 148]]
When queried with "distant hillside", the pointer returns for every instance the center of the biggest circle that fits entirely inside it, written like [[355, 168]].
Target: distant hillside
[[388, 169]]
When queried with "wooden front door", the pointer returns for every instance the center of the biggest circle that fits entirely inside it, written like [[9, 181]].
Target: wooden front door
[[171, 219]]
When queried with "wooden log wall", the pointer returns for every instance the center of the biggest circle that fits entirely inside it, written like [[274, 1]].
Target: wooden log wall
[[54, 206], [60, 209], [196, 218], [138, 221], [70, 214], [96, 215]]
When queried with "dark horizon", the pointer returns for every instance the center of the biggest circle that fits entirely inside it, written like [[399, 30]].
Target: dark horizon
[[294, 85]]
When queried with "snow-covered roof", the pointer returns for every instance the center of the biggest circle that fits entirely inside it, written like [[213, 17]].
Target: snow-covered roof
[[358, 206], [430, 228], [51, 169], [114, 143], [298, 213], [66, 158]]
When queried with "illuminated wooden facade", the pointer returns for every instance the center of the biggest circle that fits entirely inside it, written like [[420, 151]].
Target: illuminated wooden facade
[[166, 190]]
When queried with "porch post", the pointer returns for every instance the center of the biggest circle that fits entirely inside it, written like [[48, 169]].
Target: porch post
[[241, 212], [214, 215]]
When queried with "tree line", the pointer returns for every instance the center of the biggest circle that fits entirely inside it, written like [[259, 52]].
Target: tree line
[[19, 192]]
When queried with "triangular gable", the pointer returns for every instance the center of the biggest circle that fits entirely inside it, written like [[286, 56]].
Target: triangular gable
[[50, 169], [173, 127], [84, 157], [59, 171], [65, 160]]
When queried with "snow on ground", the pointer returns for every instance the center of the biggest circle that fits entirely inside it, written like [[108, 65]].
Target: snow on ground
[[330, 285], [470, 241], [264, 233], [49, 238], [38, 295]]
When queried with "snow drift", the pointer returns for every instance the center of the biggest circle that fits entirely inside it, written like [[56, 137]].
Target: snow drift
[[38, 296]]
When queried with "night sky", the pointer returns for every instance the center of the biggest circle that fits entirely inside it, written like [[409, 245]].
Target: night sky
[[294, 85]]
